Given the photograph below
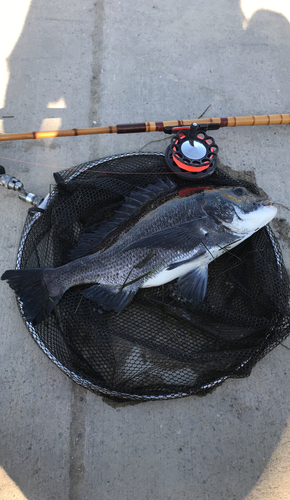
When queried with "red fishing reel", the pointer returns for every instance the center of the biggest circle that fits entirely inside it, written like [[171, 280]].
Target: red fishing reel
[[192, 154]]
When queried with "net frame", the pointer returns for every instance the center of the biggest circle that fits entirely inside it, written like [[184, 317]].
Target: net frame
[[209, 382]]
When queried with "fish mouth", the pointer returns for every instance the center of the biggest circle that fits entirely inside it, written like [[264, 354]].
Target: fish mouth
[[266, 202]]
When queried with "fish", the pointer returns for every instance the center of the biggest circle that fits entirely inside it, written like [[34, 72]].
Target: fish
[[158, 234]]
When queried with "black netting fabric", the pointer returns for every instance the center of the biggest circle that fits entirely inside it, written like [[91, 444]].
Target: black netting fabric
[[160, 346]]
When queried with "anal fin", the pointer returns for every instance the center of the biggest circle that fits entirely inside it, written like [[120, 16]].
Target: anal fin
[[109, 298]]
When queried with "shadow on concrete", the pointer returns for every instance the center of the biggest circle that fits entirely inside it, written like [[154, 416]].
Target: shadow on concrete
[[227, 438]]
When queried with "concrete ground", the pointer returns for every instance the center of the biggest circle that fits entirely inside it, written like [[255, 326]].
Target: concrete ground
[[75, 64]]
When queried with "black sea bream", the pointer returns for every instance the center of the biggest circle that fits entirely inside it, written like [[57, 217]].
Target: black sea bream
[[147, 244]]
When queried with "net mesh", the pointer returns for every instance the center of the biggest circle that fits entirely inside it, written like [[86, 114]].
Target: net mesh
[[160, 346]]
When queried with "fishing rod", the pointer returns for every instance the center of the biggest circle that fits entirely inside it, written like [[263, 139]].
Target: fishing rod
[[191, 154], [129, 128]]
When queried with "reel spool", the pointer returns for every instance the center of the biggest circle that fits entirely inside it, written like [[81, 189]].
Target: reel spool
[[192, 154]]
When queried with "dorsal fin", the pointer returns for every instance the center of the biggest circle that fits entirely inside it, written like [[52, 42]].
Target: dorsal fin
[[95, 234]]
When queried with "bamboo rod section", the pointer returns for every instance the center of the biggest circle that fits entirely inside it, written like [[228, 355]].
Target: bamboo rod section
[[233, 121]]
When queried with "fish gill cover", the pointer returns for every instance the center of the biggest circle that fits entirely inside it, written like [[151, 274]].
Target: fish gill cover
[[160, 346]]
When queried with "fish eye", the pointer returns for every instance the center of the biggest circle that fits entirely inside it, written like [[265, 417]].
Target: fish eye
[[239, 191]]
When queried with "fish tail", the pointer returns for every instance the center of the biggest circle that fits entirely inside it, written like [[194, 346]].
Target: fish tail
[[38, 293]]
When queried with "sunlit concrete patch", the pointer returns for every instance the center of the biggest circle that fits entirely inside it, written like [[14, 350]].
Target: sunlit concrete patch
[[275, 479], [8, 489], [2, 131], [57, 104], [12, 13], [250, 7]]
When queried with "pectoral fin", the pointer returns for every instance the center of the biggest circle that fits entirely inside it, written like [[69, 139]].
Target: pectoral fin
[[189, 233], [193, 284]]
